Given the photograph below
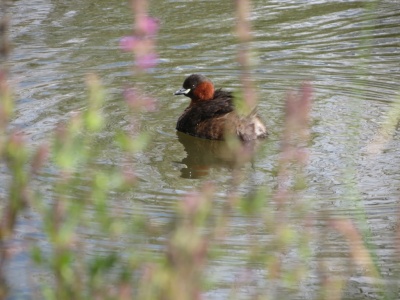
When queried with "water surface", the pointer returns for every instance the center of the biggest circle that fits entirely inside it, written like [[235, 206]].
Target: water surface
[[349, 50]]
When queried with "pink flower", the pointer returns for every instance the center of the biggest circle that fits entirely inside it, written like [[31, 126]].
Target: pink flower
[[128, 43], [147, 61], [149, 25]]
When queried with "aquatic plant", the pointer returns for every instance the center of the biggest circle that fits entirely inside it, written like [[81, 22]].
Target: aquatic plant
[[274, 267]]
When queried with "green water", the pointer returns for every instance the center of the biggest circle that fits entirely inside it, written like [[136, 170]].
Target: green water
[[349, 50]]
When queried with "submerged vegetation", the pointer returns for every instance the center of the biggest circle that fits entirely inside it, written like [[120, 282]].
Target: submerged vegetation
[[280, 239]]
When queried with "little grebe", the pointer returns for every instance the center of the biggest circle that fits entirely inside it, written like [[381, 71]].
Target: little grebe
[[211, 113]]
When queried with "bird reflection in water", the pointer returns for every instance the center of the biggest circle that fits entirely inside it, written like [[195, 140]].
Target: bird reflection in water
[[204, 155]]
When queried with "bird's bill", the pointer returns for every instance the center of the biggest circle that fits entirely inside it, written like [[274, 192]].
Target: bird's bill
[[182, 91]]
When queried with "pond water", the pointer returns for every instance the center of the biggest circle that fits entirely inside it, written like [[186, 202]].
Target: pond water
[[349, 50]]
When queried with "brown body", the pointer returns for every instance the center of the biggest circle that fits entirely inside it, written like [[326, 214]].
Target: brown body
[[211, 114]]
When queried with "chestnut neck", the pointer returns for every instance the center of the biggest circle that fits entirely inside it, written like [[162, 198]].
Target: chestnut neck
[[203, 92]]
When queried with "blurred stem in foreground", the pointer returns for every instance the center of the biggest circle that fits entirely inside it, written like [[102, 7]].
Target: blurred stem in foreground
[[243, 31], [13, 156]]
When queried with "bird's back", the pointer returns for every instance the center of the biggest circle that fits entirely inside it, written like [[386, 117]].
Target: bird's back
[[213, 119]]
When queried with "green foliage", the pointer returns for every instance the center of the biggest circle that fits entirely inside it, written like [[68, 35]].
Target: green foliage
[[200, 227]]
